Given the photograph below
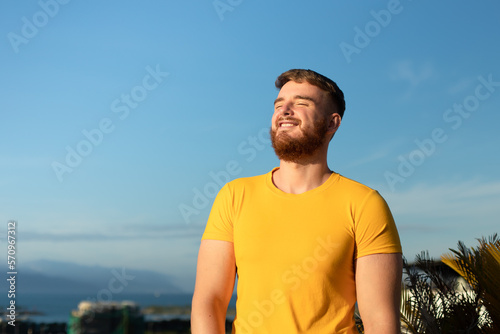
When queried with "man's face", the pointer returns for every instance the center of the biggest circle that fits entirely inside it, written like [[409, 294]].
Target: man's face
[[300, 121]]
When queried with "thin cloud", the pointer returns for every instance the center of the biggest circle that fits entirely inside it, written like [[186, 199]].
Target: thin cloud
[[415, 227], [412, 74], [121, 234], [435, 217], [461, 86], [378, 153], [466, 200]]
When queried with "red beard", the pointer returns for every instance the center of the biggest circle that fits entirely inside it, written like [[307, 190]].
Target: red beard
[[292, 149]]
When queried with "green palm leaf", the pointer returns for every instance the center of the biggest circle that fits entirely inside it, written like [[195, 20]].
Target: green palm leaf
[[480, 267]]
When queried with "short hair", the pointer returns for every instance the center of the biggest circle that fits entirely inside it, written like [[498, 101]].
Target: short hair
[[318, 80]]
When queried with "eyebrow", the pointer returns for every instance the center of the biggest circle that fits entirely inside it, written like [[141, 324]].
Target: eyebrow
[[296, 97]]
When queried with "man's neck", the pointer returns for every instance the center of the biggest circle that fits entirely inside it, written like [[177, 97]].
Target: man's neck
[[296, 178]]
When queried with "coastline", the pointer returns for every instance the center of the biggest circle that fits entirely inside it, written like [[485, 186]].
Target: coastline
[[56, 308]]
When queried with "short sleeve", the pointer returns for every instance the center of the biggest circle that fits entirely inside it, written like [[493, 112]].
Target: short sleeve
[[220, 221], [375, 229]]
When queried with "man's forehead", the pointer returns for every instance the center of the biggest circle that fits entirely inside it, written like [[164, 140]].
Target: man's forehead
[[300, 89]]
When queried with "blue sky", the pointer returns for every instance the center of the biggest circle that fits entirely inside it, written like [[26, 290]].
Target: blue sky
[[120, 119]]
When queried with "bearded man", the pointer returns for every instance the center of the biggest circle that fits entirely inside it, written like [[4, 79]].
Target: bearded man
[[306, 243]]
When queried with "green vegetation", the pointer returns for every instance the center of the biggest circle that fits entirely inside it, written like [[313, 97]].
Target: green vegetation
[[170, 310], [436, 300], [176, 310]]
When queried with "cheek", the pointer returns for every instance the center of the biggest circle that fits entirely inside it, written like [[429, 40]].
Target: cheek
[[273, 119]]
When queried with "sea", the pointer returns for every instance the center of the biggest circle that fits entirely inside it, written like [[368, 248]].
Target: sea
[[56, 308]]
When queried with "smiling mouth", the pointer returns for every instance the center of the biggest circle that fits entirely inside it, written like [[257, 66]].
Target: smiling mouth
[[287, 123]]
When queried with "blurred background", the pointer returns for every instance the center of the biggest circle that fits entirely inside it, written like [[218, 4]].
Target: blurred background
[[120, 121]]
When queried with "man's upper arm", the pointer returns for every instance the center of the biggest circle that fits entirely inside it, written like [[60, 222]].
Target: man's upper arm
[[378, 289], [216, 270], [215, 277]]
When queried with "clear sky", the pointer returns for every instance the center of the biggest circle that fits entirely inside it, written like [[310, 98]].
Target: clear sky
[[119, 120]]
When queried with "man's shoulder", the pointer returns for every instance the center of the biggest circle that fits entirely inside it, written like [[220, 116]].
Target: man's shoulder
[[348, 182], [353, 187], [248, 181]]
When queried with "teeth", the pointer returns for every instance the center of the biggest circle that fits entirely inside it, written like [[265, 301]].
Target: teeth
[[287, 124]]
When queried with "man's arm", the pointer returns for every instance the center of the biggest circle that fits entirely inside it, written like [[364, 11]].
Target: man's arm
[[378, 289], [215, 275]]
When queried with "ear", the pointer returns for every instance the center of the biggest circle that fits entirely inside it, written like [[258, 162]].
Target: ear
[[333, 123]]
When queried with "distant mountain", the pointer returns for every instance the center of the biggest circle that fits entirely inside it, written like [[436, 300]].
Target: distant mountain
[[47, 276], [32, 282]]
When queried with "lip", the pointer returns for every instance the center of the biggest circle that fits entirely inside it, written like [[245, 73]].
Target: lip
[[287, 123]]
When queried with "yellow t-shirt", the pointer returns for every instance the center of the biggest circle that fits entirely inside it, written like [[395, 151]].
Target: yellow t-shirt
[[295, 252]]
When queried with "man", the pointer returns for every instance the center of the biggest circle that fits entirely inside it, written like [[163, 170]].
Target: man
[[305, 242]]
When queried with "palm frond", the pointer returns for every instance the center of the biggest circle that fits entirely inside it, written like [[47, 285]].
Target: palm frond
[[480, 267]]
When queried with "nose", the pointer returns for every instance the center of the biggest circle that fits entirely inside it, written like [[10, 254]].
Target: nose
[[286, 109]]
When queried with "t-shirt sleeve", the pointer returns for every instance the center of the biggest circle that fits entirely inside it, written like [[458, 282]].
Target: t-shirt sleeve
[[220, 221], [375, 229]]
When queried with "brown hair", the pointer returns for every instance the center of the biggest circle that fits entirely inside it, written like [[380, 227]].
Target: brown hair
[[318, 80]]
